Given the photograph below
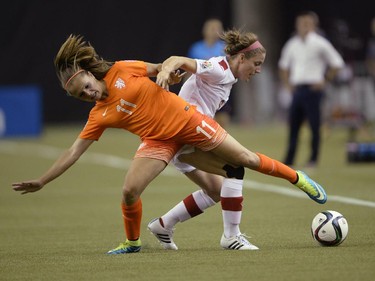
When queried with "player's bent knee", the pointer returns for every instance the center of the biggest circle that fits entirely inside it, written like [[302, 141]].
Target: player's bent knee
[[249, 159], [129, 195], [233, 172]]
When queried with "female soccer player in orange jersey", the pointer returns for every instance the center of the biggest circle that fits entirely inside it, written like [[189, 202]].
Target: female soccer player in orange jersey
[[126, 98]]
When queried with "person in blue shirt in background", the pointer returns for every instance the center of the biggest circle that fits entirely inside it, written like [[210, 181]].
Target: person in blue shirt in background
[[211, 45]]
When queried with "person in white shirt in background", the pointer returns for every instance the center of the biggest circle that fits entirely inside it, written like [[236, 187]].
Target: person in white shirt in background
[[308, 62]]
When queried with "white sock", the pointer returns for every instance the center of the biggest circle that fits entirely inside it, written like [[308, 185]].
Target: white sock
[[231, 202], [193, 205]]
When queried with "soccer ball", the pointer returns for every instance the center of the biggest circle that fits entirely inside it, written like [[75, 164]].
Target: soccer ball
[[329, 228]]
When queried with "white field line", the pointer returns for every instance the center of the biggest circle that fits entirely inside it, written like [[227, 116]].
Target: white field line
[[50, 152]]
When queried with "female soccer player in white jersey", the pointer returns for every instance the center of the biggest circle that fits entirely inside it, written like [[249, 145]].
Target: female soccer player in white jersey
[[209, 88]]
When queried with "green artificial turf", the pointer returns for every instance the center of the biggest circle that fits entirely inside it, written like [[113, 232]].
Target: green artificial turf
[[64, 231]]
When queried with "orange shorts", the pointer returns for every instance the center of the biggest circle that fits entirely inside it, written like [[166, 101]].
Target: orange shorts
[[201, 131], [155, 149]]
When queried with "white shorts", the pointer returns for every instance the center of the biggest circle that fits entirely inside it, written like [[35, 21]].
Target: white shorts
[[181, 166]]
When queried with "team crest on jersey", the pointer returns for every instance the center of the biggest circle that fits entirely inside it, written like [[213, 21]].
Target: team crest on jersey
[[206, 65], [119, 83]]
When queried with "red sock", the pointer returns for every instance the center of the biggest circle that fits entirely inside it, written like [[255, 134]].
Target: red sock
[[275, 168], [132, 216], [233, 204], [191, 206]]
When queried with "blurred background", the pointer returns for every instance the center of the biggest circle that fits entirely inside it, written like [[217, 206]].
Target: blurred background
[[149, 30]]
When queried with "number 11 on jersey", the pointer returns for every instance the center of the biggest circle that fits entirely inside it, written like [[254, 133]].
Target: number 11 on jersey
[[204, 128]]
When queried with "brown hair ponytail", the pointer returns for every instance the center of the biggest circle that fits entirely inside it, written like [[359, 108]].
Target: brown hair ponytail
[[76, 54], [237, 41]]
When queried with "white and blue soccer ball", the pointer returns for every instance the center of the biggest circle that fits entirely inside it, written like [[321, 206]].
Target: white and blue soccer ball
[[329, 228]]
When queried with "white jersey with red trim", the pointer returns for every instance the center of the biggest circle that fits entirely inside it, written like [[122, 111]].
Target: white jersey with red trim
[[209, 88]]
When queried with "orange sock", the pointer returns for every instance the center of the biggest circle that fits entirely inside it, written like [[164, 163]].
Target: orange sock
[[132, 216], [275, 168]]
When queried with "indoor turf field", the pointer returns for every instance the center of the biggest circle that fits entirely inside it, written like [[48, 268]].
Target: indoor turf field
[[64, 231]]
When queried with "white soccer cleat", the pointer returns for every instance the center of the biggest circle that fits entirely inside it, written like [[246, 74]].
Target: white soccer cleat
[[165, 236], [238, 242]]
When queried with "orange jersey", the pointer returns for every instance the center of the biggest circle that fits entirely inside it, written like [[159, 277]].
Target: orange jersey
[[138, 105]]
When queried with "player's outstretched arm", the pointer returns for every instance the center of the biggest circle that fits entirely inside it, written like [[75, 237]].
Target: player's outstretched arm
[[66, 160]]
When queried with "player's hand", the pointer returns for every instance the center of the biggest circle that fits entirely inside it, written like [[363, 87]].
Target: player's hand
[[27, 186], [175, 77], [162, 79]]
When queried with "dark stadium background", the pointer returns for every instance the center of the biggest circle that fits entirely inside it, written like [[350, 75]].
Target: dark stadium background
[[32, 31]]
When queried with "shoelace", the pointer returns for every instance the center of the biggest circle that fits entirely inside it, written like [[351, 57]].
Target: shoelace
[[170, 231], [243, 238]]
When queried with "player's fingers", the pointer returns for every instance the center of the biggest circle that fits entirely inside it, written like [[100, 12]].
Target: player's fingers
[[158, 81], [22, 186], [18, 186]]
